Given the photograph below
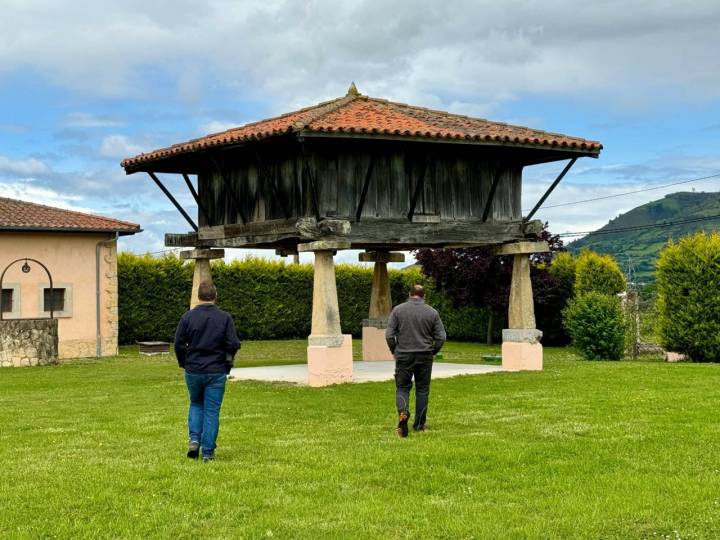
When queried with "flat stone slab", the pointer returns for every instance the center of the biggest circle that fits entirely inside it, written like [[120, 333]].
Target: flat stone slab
[[362, 372]]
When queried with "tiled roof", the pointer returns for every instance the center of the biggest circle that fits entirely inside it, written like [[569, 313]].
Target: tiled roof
[[22, 215], [355, 113]]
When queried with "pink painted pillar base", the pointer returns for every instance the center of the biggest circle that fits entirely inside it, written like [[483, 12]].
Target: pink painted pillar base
[[522, 356], [374, 346], [330, 365]]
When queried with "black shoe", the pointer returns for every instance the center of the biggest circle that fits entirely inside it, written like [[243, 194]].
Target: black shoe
[[193, 450], [402, 428], [207, 459], [420, 427]]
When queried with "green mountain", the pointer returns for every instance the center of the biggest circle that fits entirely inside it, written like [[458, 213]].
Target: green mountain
[[637, 250]]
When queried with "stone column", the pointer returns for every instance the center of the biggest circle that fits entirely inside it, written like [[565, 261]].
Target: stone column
[[202, 257], [374, 346], [521, 348], [329, 352]]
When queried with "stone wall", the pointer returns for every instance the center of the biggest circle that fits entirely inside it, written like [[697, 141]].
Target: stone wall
[[28, 342]]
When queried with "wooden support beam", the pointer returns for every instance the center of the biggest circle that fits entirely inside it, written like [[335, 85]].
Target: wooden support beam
[[181, 240], [194, 193], [491, 195], [370, 233], [550, 189], [366, 185], [228, 187], [173, 200]]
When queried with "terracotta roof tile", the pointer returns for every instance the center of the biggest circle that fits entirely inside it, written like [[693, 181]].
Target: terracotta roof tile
[[22, 215], [355, 113]]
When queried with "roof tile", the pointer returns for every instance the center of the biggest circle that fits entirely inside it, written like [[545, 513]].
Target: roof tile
[[356, 113], [22, 215]]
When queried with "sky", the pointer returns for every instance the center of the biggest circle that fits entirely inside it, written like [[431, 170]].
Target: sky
[[84, 84]]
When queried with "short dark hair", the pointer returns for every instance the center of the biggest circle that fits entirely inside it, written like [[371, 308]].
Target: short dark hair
[[207, 291], [417, 290]]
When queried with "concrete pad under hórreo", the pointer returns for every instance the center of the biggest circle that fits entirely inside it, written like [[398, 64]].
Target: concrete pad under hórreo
[[362, 372]]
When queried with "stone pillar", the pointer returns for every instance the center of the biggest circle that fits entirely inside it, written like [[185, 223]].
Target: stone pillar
[[202, 257], [521, 348], [374, 346], [329, 352]]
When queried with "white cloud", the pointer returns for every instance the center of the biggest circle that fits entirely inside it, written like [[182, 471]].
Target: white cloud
[[22, 167], [420, 51], [614, 186], [119, 147], [86, 120], [30, 192]]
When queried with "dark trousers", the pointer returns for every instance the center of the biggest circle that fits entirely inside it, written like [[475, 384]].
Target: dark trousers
[[407, 366]]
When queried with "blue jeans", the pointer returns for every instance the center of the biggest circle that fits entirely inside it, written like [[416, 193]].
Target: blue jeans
[[206, 394]]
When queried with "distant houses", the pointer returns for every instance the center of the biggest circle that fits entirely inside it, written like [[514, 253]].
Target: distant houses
[[80, 252]]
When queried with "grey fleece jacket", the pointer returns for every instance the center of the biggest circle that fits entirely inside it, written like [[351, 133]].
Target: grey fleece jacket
[[415, 327]]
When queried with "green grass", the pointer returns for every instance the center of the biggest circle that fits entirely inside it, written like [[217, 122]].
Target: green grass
[[583, 449]]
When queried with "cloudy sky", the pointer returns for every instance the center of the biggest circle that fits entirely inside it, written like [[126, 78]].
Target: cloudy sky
[[84, 84]]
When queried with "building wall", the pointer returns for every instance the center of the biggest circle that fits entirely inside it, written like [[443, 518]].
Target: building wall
[[70, 257]]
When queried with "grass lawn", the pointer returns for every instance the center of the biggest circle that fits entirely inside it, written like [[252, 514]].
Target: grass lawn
[[583, 449]]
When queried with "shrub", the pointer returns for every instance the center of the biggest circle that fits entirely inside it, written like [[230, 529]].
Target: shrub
[[563, 269], [598, 273], [596, 325], [267, 299], [688, 305]]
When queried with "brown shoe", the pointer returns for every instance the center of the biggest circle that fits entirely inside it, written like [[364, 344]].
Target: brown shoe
[[402, 427]]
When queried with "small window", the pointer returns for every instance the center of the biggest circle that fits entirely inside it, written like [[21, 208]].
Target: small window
[[57, 300], [6, 300]]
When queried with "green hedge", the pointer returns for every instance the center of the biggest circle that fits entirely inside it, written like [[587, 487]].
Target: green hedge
[[267, 299], [688, 307]]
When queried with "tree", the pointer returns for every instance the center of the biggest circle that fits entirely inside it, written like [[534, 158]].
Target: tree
[[477, 277], [688, 288], [598, 273], [597, 325], [563, 269]]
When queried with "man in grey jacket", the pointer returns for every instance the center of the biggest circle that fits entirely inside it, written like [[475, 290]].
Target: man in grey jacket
[[414, 334]]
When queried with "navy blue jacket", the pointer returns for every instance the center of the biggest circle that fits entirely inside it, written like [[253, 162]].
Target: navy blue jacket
[[205, 340]]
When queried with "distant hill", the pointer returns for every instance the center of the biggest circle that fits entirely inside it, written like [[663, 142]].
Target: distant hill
[[640, 248]]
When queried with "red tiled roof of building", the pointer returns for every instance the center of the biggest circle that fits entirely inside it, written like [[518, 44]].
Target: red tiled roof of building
[[22, 215], [355, 113]]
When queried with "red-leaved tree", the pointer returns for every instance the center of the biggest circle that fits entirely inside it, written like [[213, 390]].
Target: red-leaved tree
[[477, 277]]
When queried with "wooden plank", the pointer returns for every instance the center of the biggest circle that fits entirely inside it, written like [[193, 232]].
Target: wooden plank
[[309, 184], [366, 185], [253, 228], [181, 240], [491, 195], [201, 207], [229, 188], [419, 187], [408, 235]]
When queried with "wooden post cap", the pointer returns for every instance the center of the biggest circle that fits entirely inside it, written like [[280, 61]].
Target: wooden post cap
[[381, 256], [523, 248], [324, 245], [202, 253]]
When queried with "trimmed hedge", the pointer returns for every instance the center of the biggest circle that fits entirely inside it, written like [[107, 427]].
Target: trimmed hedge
[[688, 307], [597, 273], [267, 299]]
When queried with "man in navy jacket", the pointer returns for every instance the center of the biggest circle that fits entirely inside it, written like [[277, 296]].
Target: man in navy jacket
[[205, 345]]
